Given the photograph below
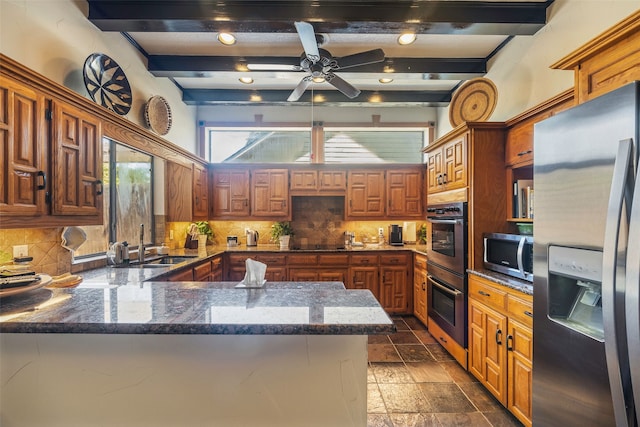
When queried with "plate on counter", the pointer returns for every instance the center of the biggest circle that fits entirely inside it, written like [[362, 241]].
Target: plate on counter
[[44, 280]]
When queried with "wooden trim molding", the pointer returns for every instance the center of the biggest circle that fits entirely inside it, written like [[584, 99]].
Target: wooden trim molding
[[114, 126], [564, 97]]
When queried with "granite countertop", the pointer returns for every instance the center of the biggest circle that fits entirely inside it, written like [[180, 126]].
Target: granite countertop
[[502, 279], [279, 308]]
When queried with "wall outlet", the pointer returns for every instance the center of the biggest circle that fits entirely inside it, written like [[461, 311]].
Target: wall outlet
[[20, 251], [170, 234]]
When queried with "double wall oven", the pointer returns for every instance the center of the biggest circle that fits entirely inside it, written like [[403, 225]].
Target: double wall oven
[[447, 266]]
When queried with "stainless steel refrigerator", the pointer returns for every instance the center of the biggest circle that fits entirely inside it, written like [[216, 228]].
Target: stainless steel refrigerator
[[586, 351]]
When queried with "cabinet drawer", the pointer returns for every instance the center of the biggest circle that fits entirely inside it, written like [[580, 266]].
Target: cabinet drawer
[[216, 263], [487, 294], [364, 259], [519, 146], [202, 272], [333, 259], [420, 262], [394, 259], [181, 276], [271, 259], [303, 259], [521, 310], [238, 260]]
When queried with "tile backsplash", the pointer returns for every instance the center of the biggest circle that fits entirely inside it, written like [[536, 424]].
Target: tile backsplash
[[49, 257]]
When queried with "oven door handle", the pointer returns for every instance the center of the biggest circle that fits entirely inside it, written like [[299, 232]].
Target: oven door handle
[[443, 221], [452, 292]]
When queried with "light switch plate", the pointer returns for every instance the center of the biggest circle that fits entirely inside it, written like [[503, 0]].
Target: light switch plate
[[20, 251]]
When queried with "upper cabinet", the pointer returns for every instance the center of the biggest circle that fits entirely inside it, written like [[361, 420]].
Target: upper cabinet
[[179, 187], [365, 194], [200, 192], [23, 148], [77, 162], [404, 193], [447, 166], [36, 127], [305, 182], [606, 62], [270, 193], [230, 194]]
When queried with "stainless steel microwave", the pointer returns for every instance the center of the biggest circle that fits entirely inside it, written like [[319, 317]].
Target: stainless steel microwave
[[510, 254]]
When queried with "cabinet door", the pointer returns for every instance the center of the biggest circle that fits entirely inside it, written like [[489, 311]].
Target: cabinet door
[[365, 194], [332, 181], [520, 362], [77, 162], [404, 193], [487, 348], [178, 181], [200, 192], [22, 150], [230, 193], [364, 278], [333, 275], [185, 275], [302, 275], [270, 193], [394, 293], [202, 272], [304, 180], [434, 171], [420, 287], [216, 269], [455, 163], [276, 274]]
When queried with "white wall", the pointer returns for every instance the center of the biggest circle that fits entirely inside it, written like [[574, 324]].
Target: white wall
[[521, 69], [53, 37]]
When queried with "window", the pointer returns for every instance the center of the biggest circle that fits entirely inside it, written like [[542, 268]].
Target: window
[[373, 145], [258, 145], [128, 200]]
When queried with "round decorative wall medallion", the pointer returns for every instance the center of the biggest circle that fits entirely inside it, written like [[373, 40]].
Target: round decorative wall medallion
[[106, 83], [474, 101], [157, 115]]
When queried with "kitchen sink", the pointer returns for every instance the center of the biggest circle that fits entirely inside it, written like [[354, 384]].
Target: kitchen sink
[[172, 259]]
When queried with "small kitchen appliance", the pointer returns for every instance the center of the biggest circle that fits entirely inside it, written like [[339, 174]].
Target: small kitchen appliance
[[409, 233], [395, 235], [252, 237]]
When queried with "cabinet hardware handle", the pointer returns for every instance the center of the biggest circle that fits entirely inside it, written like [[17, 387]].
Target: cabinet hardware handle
[[44, 180], [499, 336], [443, 339], [524, 153], [444, 178], [99, 183], [424, 286], [528, 313], [484, 294], [439, 180], [509, 342]]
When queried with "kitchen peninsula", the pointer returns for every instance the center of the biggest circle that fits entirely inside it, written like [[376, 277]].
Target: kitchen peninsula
[[187, 353]]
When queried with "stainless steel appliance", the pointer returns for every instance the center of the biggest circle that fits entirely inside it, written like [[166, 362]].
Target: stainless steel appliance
[[587, 264], [395, 235], [510, 254], [252, 237], [447, 269]]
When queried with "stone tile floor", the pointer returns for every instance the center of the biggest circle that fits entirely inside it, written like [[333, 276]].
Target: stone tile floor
[[414, 382]]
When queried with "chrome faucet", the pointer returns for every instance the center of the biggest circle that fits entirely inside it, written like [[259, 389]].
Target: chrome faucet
[[141, 245]]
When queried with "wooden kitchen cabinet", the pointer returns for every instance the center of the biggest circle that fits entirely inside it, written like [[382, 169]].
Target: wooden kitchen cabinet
[[447, 166], [420, 287], [230, 194], [404, 193], [395, 289], [200, 192], [217, 269], [276, 266], [332, 181], [202, 272], [306, 182], [365, 194], [23, 147], [179, 182], [77, 161], [501, 343], [270, 193]]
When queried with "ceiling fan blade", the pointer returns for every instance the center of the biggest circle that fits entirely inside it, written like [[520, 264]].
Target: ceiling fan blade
[[308, 38], [342, 85], [299, 90], [362, 58]]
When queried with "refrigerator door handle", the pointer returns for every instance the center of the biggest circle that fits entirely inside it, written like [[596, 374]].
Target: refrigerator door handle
[[622, 179], [632, 292]]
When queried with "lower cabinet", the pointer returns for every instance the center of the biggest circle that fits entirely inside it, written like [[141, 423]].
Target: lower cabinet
[[420, 287], [501, 343]]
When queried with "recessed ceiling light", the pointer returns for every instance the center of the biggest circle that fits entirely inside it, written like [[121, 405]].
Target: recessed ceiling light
[[385, 80], [318, 79], [246, 80], [255, 97], [406, 38], [226, 39]]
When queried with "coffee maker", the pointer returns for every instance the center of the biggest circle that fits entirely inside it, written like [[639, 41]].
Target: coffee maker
[[395, 235]]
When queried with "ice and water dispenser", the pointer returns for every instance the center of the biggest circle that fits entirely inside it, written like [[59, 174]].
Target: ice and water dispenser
[[575, 289]]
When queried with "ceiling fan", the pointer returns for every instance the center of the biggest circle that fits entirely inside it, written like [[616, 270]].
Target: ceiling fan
[[320, 64]]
